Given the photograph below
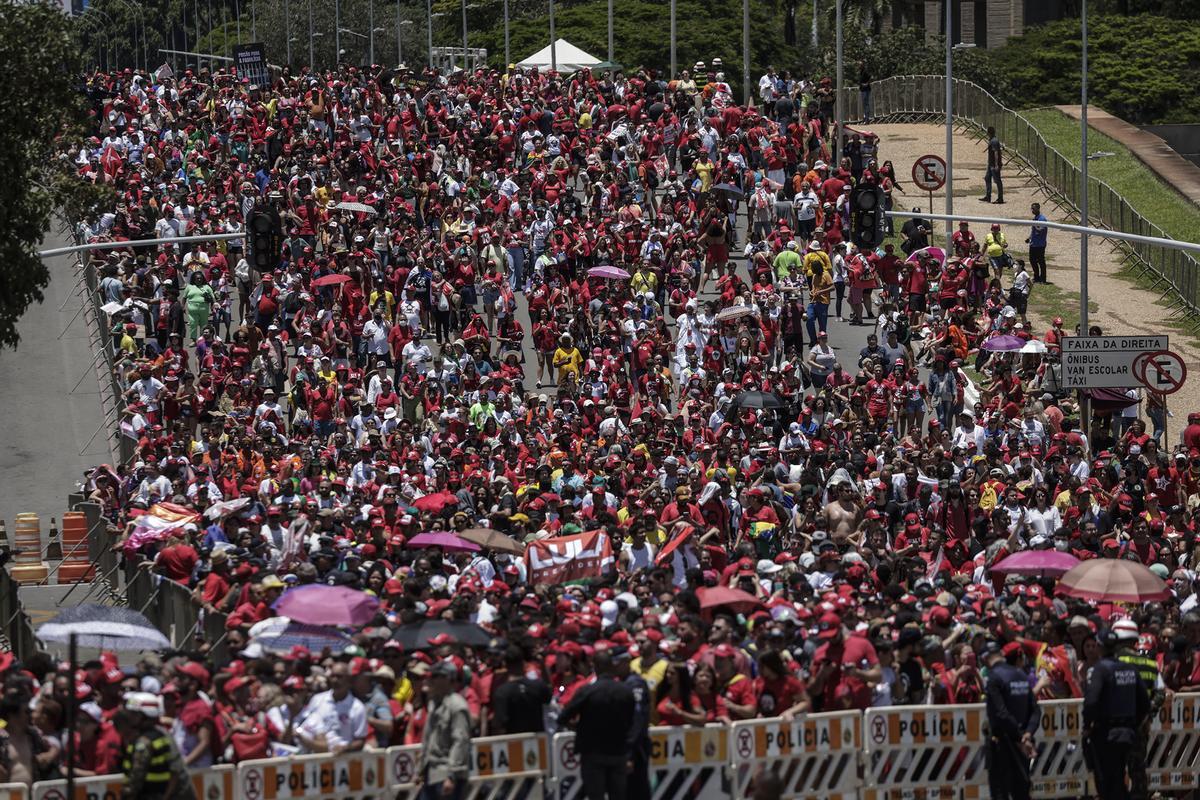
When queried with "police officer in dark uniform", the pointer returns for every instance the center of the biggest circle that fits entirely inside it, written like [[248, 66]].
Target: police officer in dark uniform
[[639, 775], [1132, 651], [603, 715], [1115, 703], [1013, 717]]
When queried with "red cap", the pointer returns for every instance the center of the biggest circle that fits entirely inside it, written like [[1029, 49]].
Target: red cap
[[828, 626], [1011, 649]]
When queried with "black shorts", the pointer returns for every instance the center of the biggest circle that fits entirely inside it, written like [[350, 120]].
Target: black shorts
[[916, 302]]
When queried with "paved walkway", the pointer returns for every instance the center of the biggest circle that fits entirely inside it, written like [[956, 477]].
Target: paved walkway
[[1172, 168]]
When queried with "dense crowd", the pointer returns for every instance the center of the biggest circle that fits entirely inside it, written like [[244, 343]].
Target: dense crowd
[[568, 305]]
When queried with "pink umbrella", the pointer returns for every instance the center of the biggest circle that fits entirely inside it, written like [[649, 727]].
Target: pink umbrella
[[445, 540], [608, 272], [1003, 343], [735, 600], [936, 252], [319, 604], [1115, 580], [1040, 563], [331, 280], [435, 502]]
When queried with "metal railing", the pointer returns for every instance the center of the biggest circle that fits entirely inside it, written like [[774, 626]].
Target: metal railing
[[17, 628], [923, 98]]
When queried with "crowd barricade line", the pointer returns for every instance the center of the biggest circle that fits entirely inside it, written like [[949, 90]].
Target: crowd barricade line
[[893, 753], [685, 762], [815, 756], [1173, 749], [353, 776], [1059, 769], [924, 751], [212, 783]]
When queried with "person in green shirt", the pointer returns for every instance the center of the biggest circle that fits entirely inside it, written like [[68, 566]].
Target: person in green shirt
[[787, 261], [198, 299]]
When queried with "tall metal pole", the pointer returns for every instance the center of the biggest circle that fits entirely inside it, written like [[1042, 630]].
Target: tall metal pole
[[287, 29], [371, 32], [837, 107], [311, 61], [553, 46], [507, 59], [949, 125], [746, 52], [196, 14], [673, 72], [399, 46], [237, 12], [254, 22], [814, 25], [225, 29], [429, 28], [463, 3], [610, 35], [1083, 169]]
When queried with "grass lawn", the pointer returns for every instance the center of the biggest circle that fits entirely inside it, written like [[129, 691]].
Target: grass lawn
[[1151, 197]]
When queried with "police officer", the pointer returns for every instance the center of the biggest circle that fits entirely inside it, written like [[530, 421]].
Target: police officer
[[153, 767], [1115, 704], [639, 775], [1013, 716], [603, 713], [1130, 651]]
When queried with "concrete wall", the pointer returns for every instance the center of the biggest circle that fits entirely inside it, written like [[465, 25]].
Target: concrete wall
[[1183, 139]]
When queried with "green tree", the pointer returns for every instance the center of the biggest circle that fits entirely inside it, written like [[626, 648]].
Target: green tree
[[43, 112]]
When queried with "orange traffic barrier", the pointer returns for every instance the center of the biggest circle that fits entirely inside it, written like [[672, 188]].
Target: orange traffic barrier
[[28, 566], [75, 567]]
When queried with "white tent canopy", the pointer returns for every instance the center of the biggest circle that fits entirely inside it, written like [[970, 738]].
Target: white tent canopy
[[568, 57]]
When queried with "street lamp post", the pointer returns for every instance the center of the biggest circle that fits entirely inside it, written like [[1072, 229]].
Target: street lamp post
[[463, 3], [746, 51], [837, 140], [673, 71], [1083, 200], [287, 29], [610, 31], [949, 125], [553, 46], [311, 60], [371, 32], [337, 32], [507, 58]]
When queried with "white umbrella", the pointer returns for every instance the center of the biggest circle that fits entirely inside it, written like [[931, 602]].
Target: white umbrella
[[349, 205], [1033, 346]]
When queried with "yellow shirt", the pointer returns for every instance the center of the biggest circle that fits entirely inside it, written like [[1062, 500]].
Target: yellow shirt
[[568, 362], [653, 674], [644, 281], [704, 170], [389, 300], [817, 257]]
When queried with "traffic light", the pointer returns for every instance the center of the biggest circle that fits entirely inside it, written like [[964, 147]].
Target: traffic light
[[867, 223], [266, 239]]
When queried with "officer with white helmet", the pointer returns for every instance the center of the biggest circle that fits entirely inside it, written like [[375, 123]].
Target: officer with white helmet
[[152, 764]]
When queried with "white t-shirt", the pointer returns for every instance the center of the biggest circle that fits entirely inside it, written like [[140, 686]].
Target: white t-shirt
[[340, 721]]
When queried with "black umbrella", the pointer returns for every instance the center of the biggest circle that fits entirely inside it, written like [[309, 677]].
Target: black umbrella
[[417, 635], [757, 400], [729, 189]]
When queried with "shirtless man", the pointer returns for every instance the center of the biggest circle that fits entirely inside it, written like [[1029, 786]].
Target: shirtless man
[[843, 515]]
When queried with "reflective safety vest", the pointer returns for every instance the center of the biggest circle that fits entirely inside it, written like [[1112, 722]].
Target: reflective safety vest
[[1146, 667], [158, 770]]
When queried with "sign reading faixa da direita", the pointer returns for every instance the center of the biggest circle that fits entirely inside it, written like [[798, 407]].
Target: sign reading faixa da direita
[[1105, 362]]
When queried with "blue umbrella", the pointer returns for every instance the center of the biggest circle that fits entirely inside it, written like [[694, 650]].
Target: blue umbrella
[[280, 635], [104, 628]]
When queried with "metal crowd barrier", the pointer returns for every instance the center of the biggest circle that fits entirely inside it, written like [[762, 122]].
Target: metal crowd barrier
[[885, 754]]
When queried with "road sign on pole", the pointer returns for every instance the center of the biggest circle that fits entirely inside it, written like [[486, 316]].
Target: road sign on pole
[[929, 173], [1162, 371], [1106, 362]]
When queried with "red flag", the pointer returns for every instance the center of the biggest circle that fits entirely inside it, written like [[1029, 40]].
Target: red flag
[[670, 547], [111, 161]]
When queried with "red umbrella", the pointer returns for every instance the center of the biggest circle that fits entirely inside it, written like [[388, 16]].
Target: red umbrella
[[727, 597], [331, 280], [436, 502], [1041, 563], [1115, 580]]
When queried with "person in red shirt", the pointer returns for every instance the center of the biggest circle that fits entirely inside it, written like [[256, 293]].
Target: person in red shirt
[[216, 583], [844, 667], [779, 693], [98, 747], [177, 560], [677, 703]]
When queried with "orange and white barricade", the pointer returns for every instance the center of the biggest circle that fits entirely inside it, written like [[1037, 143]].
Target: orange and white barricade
[[815, 756], [925, 753], [1173, 750], [1059, 769], [214, 783], [14, 791], [685, 762], [354, 776], [502, 768]]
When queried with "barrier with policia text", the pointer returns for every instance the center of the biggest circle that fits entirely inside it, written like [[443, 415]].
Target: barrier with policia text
[[1173, 750], [931, 752], [502, 768], [14, 791], [354, 776], [815, 756], [213, 783], [684, 762], [1059, 769]]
